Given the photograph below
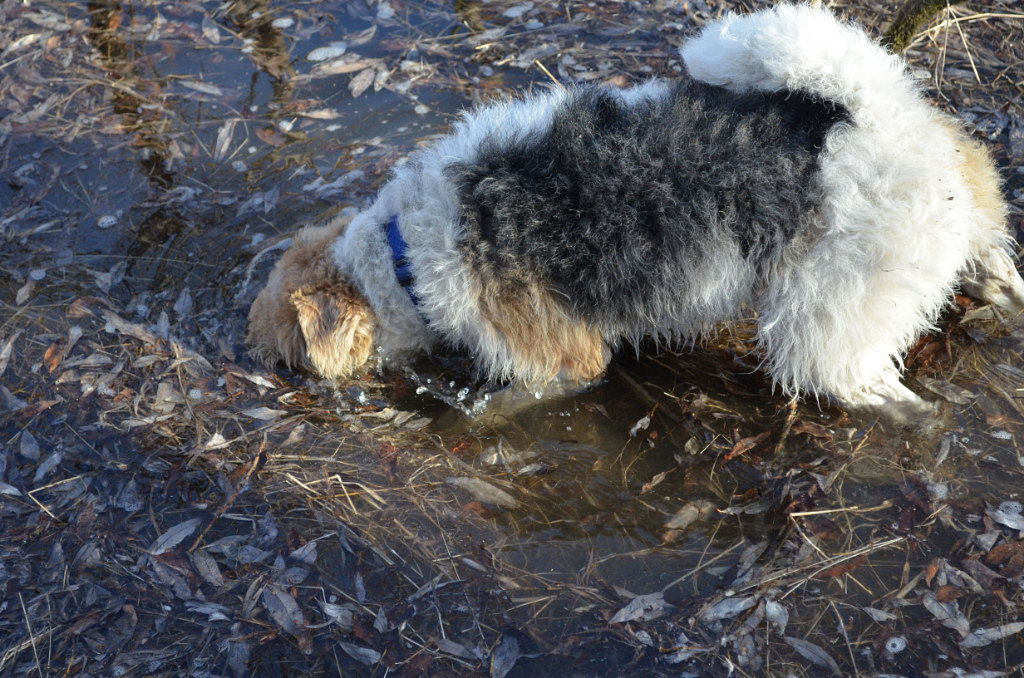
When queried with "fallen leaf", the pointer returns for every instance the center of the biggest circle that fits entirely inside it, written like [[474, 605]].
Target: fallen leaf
[[747, 444], [172, 578], [485, 492], [28, 447], [642, 608], [842, 568], [204, 564], [1014, 521], [321, 114], [983, 637], [204, 87], [283, 608], [813, 653], [51, 358], [363, 655], [331, 51], [214, 611], [776, 614], [21, 43], [947, 390], [116, 323], [48, 465], [173, 536], [454, 649], [658, 479], [24, 292], [210, 30], [271, 136], [9, 490], [5, 352], [264, 413], [948, 614], [432, 587], [505, 654], [338, 614], [641, 425], [223, 144], [349, 64], [812, 429], [361, 82], [517, 11], [728, 608], [685, 516]]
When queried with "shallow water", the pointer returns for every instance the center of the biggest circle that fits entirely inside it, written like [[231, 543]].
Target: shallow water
[[201, 138]]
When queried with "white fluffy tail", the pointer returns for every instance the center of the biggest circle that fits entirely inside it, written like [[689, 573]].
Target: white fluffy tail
[[798, 47]]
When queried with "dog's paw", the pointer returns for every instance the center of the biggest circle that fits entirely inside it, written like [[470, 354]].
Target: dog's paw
[[996, 280], [918, 414], [894, 404]]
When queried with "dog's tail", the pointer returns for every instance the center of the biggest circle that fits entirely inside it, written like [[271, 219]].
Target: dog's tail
[[801, 48]]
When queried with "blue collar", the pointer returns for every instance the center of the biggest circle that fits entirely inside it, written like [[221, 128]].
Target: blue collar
[[403, 271]]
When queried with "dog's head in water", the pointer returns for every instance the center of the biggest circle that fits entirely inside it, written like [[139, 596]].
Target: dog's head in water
[[310, 315]]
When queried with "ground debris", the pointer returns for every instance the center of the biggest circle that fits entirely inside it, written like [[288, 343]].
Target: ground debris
[[641, 608], [173, 536], [485, 492], [171, 507]]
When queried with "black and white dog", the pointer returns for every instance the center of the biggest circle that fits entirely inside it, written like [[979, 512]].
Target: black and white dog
[[797, 171]]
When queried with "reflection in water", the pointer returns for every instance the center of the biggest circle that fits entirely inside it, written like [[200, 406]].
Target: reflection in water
[[469, 14], [133, 91], [254, 21]]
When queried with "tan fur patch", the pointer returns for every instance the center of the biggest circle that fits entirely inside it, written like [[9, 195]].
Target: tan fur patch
[[308, 315], [545, 341], [979, 171], [992, 276]]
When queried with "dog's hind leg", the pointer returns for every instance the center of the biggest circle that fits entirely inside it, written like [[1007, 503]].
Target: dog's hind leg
[[994, 279], [839, 332], [990, 275], [856, 378]]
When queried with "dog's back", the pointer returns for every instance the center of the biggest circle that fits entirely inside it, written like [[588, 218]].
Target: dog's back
[[655, 216]]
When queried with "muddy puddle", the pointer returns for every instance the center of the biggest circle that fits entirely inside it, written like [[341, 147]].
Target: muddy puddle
[[169, 506]]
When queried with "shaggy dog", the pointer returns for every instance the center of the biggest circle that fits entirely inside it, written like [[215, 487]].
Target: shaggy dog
[[797, 171]]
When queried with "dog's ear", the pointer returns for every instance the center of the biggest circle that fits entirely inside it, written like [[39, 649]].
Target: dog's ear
[[274, 333], [337, 326], [309, 315]]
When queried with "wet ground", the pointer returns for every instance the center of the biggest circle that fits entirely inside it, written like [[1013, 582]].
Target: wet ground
[[169, 507]]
